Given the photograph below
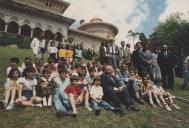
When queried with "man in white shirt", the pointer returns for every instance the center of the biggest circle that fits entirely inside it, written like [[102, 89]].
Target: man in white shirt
[[38, 46]]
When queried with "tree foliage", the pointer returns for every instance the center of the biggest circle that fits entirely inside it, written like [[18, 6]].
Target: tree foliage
[[173, 32]]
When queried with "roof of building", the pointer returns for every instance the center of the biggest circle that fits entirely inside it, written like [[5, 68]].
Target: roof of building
[[87, 34], [25, 9], [98, 21]]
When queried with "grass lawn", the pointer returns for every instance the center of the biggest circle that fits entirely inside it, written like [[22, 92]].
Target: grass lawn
[[45, 118]]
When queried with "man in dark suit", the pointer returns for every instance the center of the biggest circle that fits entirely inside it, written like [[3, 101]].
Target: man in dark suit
[[114, 92], [167, 62], [103, 53]]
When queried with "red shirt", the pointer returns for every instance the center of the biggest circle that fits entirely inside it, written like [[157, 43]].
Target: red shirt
[[75, 90]]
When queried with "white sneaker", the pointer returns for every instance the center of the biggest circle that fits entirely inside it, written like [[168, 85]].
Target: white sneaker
[[74, 112], [88, 108], [49, 104], [173, 97], [176, 107], [168, 108], [10, 106], [39, 105], [45, 104]]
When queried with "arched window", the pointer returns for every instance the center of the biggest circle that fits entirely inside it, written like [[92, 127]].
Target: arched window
[[58, 36], [26, 30], [2, 25], [13, 27], [36, 31], [48, 35]]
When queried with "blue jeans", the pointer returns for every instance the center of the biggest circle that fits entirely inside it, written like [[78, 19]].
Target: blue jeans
[[102, 104], [60, 101]]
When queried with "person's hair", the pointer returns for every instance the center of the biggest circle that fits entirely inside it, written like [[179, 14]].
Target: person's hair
[[96, 78], [46, 70], [28, 58], [91, 69], [74, 77], [30, 69], [14, 60], [52, 42], [10, 75], [50, 60], [62, 70]]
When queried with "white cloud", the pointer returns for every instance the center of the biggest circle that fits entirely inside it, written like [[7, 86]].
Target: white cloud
[[174, 6], [112, 11]]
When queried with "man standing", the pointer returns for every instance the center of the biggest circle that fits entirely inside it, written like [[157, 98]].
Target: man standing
[[112, 53], [135, 55], [167, 61], [145, 56], [186, 72], [38, 46], [124, 54]]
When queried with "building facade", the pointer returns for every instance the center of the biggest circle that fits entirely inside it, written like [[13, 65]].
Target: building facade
[[29, 17]]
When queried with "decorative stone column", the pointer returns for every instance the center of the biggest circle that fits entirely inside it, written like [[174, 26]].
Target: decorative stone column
[[19, 29], [31, 32], [6, 26]]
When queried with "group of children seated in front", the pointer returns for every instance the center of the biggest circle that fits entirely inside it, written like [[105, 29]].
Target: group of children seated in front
[[35, 84]]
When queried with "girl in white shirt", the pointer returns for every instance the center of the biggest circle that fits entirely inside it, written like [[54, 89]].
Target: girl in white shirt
[[11, 88], [27, 92], [52, 50]]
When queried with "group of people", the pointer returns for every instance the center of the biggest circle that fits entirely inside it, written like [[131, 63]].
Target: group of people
[[121, 81], [38, 46], [160, 64]]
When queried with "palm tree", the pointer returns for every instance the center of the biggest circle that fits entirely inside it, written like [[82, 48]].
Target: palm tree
[[133, 36]]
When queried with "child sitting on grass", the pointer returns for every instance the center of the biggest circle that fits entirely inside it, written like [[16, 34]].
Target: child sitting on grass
[[27, 92], [96, 94], [77, 95], [148, 92], [44, 88], [11, 88], [162, 95], [14, 61]]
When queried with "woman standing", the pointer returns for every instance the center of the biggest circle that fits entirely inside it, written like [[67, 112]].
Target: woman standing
[[38, 46]]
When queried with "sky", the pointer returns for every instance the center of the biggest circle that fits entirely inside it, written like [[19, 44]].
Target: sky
[[135, 15]]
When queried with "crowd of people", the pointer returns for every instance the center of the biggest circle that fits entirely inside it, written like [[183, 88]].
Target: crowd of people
[[119, 82]]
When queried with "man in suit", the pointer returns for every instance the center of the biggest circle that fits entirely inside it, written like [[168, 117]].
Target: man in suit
[[145, 57], [135, 56], [114, 92], [112, 51], [124, 54], [167, 62], [103, 53]]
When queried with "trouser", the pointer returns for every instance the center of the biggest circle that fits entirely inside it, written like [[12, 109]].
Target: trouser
[[168, 78], [111, 97], [102, 104], [125, 98], [133, 87], [61, 103], [116, 99], [186, 79]]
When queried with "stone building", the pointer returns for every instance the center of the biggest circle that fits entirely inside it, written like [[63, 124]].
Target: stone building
[[29, 17]]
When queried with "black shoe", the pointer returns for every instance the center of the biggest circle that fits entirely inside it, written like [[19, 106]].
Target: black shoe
[[133, 108], [60, 114], [74, 115], [97, 112]]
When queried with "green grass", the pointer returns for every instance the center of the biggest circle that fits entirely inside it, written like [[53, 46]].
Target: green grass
[[45, 118]]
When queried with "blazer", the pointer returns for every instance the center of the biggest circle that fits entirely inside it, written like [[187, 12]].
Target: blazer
[[108, 83]]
